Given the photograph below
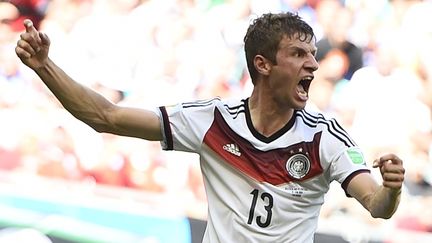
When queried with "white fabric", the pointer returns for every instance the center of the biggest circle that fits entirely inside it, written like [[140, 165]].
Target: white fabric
[[252, 196]]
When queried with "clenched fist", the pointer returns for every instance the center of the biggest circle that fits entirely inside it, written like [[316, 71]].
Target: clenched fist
[[392, 170]]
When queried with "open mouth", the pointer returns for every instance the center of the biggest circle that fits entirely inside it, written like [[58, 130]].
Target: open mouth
[[303, 85]]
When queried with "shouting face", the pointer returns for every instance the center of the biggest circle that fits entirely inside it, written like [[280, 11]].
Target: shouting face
[[290, 76]]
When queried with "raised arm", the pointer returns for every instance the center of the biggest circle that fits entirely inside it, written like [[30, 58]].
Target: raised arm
[[380, 200], [82, 102]]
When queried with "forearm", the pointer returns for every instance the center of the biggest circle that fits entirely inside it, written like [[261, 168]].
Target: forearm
[[82, 102], [384, 202]]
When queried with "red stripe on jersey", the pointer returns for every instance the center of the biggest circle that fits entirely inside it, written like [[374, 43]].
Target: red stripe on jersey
[[263, 166]]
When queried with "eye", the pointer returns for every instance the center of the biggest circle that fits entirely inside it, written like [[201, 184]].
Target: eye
[[299, 53]]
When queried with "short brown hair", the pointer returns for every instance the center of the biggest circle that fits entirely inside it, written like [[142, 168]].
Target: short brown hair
[[265, 33]]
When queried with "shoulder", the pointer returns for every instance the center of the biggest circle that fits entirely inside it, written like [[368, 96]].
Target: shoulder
[[227, 107], [312, 118], [329, 126], [201, 104], [230, 106], [193, 107]]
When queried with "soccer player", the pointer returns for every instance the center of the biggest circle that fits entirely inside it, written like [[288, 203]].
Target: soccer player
[[267, 162]]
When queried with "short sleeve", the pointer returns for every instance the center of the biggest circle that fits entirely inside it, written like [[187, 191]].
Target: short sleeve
[[347, 165], [184, 125]]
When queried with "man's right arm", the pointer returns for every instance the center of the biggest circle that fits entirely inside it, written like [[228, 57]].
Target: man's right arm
[[82, 102]]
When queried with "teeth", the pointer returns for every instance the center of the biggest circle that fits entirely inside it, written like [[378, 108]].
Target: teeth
[[303, 86]]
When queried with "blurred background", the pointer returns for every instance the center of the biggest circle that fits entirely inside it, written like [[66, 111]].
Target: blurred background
[[62, 182]]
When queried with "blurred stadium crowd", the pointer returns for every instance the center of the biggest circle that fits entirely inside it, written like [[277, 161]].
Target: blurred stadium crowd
[[375, 76]]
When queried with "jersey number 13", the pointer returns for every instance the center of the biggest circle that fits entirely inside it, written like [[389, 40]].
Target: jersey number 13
[[262, 221]]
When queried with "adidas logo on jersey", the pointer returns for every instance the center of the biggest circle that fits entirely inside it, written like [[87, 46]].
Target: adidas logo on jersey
[[232, 148]]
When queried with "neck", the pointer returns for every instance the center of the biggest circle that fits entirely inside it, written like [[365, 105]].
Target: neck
[[267, 115]]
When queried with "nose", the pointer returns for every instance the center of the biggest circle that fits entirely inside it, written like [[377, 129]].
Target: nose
[[311, 63]]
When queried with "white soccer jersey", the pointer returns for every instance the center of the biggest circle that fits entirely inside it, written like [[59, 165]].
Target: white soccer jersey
[[261, 189]]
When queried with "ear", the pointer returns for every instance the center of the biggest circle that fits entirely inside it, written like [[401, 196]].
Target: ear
[[262, 65]]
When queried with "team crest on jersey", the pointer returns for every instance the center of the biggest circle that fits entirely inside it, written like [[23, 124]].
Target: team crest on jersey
[[298, 166]]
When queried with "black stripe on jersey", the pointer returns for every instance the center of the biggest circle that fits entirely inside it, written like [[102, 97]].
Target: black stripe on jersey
[[235, 110], [335, 130], [199, 103], [343, 130], [167, 129]]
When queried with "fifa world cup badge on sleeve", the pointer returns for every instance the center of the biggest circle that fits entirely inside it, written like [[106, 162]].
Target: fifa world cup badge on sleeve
[[356, 156]]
